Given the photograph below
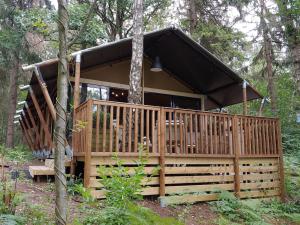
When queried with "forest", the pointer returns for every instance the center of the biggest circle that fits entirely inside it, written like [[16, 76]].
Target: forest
[[259, 39]]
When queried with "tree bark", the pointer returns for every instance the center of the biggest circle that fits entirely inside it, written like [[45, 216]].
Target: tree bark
[[135, 90], [295, 52], [60, 123], [13, 72], [192, 16], [267, 43]]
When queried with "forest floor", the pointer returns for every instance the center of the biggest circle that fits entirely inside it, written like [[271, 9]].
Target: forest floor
[[42, 196]]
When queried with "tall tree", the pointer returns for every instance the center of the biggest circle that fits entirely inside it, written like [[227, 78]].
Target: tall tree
[[289, 12], [268, 55], [13, 74], [210, 23], [61, 109], [135, 90], [117, 15]]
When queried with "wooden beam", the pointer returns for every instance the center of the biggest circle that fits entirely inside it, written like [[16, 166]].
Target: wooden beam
[[203, 103], [245, 107], [45, 92], [146, 89], [30, 134], [236, 150], [162, 150], [41, 117], [35, 127], [76, 103], [26, 135], [77, 81], [281, 163], [87, 159]]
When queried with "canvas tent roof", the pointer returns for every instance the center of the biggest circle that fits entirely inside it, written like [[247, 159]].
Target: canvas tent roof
[[182, 57]]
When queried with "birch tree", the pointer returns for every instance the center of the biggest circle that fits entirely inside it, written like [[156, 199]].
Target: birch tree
[[60, 123], [135, 90]]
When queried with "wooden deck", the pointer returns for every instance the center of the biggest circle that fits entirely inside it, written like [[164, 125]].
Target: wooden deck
[[199, 153]]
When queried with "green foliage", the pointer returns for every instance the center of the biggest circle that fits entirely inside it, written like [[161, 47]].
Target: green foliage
[[226, 43], [133, 215], [235, 210], [9, 199], [277, 209], [121, 184], [122, 188], [292, 175], [253, 211], [7, 219], [94, 30], [35, 216]]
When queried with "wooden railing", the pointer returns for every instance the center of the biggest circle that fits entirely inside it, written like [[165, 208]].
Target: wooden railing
[[108, 127]]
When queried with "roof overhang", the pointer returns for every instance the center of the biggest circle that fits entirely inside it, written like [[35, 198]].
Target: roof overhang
[[182, 57]]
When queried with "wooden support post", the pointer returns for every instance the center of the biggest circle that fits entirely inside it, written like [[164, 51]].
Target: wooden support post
[[30, 133], [76, 98], [203, 103], [26, 135], [245, 107], [281, 163], [236, 150], [45, 92], [88, 149], [35, 127], [162, 151], [41, 117], [77, 81]]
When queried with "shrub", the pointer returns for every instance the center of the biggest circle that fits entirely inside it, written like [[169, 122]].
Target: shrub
[[122, 188], [235, 210], [121, 184]]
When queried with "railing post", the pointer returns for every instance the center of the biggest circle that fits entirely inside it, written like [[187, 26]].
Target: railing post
[[236, 150], [88, 149], [162, 153], [281, 164]]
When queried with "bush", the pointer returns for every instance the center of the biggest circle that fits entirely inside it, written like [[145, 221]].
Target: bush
[[121, 184], [122, 188], [235, 210], [133, 215], [253, 211]]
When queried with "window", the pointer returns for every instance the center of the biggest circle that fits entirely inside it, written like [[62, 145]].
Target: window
[[88, 91]]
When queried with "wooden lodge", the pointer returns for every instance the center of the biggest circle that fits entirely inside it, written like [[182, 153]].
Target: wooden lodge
[[199, 149]]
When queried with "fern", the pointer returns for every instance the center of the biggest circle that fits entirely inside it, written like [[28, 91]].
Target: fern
[[7, 219]]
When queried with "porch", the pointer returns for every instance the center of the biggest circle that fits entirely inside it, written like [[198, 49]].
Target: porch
[[198, 152]]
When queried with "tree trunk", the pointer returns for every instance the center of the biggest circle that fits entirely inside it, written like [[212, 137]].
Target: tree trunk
[[60, 123], [295, 52], [13, 72], [267, 43], [135, 90], [192, 16]]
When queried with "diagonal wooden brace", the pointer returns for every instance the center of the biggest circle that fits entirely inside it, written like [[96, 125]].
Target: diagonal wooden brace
[[46, 94], [41, 117], [35, 128], [33, 139], [26, 134]]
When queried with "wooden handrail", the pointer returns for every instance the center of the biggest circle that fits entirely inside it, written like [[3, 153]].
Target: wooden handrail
[[120, 127]]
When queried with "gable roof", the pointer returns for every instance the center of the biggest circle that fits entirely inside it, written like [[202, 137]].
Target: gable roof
[[183, 58]]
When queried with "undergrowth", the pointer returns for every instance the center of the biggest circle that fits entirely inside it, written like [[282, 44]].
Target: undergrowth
[[122, 188], [254, 211]]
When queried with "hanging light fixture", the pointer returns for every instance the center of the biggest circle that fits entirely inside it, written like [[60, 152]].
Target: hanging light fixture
[[156, 66]]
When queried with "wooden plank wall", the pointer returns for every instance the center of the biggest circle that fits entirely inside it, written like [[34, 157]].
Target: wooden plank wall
[[193, 179], [199, 153]]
